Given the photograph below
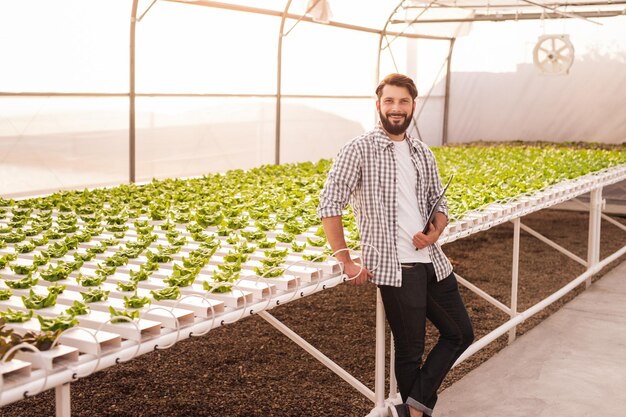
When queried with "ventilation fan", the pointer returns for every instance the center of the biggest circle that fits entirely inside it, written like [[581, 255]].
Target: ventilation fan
[[553, 54]]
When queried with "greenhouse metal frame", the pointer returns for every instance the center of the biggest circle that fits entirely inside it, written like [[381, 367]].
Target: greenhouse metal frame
[[393, 28], [402, 19]]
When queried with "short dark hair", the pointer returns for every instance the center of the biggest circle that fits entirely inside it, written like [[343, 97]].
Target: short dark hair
[[398, 80]]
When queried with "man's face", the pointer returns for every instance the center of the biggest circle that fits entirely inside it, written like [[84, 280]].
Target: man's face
[[395, 108]]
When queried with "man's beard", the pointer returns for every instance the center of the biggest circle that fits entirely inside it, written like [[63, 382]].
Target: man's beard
[[395, 128]]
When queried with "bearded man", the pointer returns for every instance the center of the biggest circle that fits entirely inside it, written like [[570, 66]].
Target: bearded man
[[392, 181]]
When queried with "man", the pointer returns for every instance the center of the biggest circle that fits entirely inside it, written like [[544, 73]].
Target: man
[[391, 180]]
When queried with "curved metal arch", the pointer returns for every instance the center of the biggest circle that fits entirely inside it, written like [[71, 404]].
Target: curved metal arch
[[383, 33]]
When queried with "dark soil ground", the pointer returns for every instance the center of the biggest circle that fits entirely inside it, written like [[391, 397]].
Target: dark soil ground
[[250, 369]]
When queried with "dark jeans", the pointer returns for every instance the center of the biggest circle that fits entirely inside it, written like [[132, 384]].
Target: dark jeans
[[407, 309]]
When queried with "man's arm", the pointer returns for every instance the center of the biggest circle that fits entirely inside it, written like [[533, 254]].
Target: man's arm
[[341, 183], [440, 222], [333, 227], [435, 229]]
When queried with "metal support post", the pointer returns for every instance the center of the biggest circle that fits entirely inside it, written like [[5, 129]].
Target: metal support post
[[132, 96], [593, 245], [279, 81], [446, 103], [393, 384], [379, 384], [514, 275], [62, 394]]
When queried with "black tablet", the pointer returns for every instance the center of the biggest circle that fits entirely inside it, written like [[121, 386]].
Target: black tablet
[[435, 208]]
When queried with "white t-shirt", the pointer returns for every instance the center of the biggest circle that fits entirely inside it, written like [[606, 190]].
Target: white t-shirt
[[409, 218]]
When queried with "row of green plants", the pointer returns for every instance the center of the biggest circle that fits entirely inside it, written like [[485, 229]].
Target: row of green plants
[[267, 209], [485, 174], [491, 173]]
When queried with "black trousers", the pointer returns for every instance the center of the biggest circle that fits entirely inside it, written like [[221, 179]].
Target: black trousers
[[421, 297]]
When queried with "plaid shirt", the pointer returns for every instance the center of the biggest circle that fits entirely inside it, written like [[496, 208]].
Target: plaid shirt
[[364, 174]]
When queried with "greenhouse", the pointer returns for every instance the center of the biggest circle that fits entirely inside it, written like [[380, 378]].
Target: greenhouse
[[163, 167]]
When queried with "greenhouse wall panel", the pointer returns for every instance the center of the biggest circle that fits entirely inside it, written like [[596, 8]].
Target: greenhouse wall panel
[[497, 94], [429, 116], [318, 128], [182, 137], [50, 143], [426, 63]]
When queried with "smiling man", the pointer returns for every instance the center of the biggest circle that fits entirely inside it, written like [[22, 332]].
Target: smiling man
[[392, 181]]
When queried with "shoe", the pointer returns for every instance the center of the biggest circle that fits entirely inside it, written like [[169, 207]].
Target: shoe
[[400, 410]]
